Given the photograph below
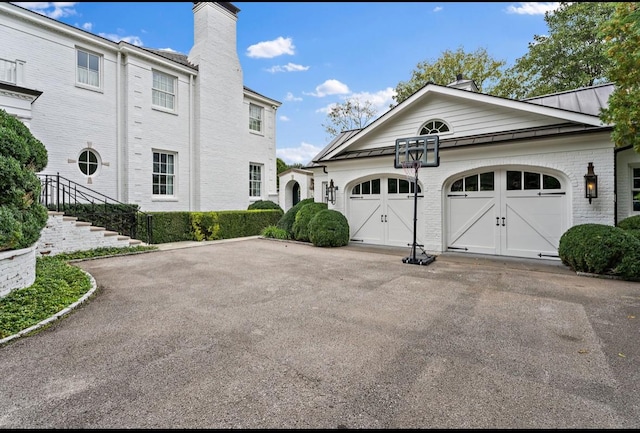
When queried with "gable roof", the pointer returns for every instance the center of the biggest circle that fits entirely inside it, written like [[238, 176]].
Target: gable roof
[[579, 108]]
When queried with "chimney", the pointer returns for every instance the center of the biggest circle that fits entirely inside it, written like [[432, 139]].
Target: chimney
[[463, 84]]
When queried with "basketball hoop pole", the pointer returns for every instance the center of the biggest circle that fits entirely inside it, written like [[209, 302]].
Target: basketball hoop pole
[[413, 259]]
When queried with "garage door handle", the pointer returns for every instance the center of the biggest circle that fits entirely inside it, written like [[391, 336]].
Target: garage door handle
[[502, 221], [497, 221], [385, 218]]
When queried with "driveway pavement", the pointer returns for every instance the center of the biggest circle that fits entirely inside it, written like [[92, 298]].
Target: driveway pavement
[[260, 333]]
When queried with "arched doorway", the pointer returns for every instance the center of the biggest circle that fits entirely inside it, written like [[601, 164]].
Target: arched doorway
[[295, 193]]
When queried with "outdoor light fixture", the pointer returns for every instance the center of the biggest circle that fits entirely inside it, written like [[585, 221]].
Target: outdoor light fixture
[[331, 192], [590, 183]]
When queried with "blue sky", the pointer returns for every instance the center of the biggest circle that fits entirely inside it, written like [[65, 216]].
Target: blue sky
[[311, 55]]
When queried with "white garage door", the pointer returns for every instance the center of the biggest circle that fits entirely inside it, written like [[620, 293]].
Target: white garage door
[[507, 212], [381, 212]]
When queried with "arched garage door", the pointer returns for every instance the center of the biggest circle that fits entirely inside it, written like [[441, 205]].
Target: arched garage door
[[509, 212], [380, 212]]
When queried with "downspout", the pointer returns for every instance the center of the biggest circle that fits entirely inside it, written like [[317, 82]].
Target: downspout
[[119, 164], [191, 155]]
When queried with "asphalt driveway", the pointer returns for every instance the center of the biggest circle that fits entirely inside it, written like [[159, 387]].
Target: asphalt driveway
[[266, 334]]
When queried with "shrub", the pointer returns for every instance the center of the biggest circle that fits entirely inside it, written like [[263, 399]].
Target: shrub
[[22, 217], [265, 204], [287, 220], [630, 223], [601, 249], [274, 232], [329, 228], [300, 226]]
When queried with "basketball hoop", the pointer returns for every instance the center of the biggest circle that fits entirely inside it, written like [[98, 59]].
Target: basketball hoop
[[411, 154]]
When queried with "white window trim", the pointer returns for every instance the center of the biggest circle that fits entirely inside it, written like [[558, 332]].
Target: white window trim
[[262, 111], [165, 197], [100, 57], [632, 189], [173, 110]]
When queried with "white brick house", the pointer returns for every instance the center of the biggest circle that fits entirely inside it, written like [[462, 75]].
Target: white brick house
[[162, 130], [511, 177]]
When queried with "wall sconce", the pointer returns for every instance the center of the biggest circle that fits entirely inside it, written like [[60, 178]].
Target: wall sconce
[[331, 192], [590, 183]]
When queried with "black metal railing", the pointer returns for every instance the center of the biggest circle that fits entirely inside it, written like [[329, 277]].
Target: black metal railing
[[64, 195]]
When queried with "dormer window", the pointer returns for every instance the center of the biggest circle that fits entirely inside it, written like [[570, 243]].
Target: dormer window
[[433, 127]]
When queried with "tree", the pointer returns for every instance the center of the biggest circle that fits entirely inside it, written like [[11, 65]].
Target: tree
[[478, 66], [353, 113], [622, 40], [22, 217], [572, 56]]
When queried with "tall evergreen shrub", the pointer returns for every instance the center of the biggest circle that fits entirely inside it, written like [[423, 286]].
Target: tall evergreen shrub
[[22, 217]]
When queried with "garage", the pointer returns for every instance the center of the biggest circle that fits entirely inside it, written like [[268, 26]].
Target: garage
[[380, 211], [507, 211]]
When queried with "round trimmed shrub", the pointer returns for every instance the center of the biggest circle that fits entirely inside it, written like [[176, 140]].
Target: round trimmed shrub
[[289, 217], [301, 224], [264, 204], [329, 228], [630, 223], [601, 249], [22, 217]]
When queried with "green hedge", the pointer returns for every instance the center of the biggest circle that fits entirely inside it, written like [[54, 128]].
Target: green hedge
[[210, 225], [301, 224], [601, 249], [329, 228], [287, 220]]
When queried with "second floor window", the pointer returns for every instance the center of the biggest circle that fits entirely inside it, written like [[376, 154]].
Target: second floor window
[[88, 66], [255, 118], [164, 93]]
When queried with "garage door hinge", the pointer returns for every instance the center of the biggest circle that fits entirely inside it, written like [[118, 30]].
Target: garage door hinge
[[456, 195], [458, 248]]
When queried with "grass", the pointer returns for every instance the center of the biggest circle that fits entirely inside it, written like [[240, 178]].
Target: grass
[[58, 284]]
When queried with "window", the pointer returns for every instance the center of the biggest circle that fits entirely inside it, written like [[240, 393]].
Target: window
[[164, 93], [368, 187], [401, 186], [434, 127], [255, 118], [88, 162], [325, 192], [88, 69], [255, 180], [163, 173], [484, 181], [519, 180], [635, 189]]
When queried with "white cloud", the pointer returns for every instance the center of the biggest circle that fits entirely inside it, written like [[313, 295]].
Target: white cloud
[[133, 40], [86, 26], [533, 8], [290, 97], [170, 50], [438, 8], [298, 155], [284, 118], [53, 10], [289, 67], [270, 49], [330, 87]]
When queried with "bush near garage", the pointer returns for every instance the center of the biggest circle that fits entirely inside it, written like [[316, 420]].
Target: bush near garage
[[265, 204], [301, 224], [601, 249], [631, 225], [274, 232], [329, 228], [287, 220]]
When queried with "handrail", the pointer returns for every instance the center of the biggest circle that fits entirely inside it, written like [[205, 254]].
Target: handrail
[[64, 195]]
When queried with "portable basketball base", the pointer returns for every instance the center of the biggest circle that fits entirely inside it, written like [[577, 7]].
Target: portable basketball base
[[413, 153]]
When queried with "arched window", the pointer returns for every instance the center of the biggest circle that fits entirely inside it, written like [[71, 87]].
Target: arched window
[[432, 127]]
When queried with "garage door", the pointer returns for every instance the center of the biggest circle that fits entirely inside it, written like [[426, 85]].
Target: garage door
[[381, 212], [507, 212]]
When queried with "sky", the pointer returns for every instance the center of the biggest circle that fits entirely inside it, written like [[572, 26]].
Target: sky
[[311, 55]]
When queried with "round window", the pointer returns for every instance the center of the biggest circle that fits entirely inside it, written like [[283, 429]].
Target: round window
[[88, 162]]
